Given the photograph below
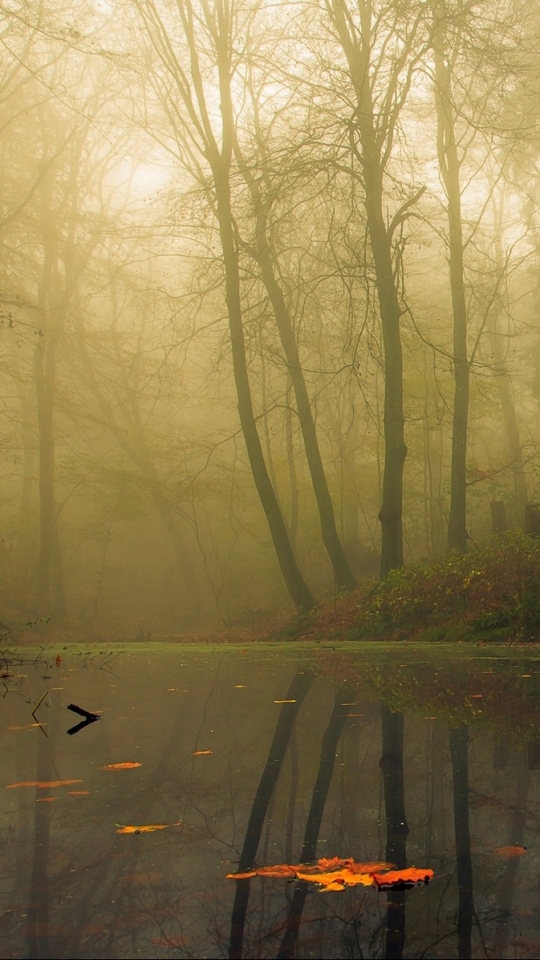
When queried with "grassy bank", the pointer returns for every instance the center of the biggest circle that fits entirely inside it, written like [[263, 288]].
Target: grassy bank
[[492, 594]]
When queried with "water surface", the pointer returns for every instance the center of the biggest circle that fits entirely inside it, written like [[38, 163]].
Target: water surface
[[262, 755]]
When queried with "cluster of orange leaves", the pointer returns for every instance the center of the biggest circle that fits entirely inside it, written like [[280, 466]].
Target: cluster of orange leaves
[[336, 873]]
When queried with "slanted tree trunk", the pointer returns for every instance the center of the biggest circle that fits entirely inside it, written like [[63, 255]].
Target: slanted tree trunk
[[265, 259], [294, 580]]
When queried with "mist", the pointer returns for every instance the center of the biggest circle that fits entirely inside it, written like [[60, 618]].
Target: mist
[[268, 301]]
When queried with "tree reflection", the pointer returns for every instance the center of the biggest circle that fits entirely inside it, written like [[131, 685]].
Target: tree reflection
[[459, 752], [329, 744], [397, 828], [296, 693]]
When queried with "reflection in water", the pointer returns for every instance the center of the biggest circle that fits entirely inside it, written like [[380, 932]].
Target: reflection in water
[[459, 752], [397, 828], [422, 764], [296, 693]]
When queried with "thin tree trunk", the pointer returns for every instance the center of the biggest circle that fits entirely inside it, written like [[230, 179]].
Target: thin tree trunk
[[294, 580], [372, 162], [293, 480], [449, 165], [264, 256], [503, 380]]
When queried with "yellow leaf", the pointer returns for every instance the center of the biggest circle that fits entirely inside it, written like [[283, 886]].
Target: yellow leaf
[[121, 766], [42, 783], [148, 827], [202, 753]]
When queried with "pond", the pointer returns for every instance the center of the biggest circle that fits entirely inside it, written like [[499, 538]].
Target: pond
[[263, 756]]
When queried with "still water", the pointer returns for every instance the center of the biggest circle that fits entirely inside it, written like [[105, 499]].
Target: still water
[[263, 756]]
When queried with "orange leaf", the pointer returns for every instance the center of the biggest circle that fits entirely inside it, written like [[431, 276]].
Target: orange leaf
[[121, 766], [29, 726], [79, 793], [46, 799], [337, 879], [42, 783], [336, 873], [330, 873], [402, 879], [148, 828], [202, 753], [508, 852]]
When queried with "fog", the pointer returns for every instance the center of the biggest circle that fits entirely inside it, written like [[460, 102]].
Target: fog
[[268, 300]]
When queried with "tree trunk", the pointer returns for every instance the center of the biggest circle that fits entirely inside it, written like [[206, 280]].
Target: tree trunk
[[294, 581], [450, 168], [504, 384], [372, 162], [342, 571]]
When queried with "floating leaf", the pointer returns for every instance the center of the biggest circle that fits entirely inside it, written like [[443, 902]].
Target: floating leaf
[[42, 783], [284, 701], [148, 827], [79, 793], [402, 879], [46, 799], [202, 753], [508, 852], [29, 726], [128, 765], [336, 873]]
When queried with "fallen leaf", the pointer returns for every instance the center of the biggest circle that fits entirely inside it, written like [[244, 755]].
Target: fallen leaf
[[332, 873], [46, 799], [128, 765], [79, 793], [42, 783], [284, 701], [29, 726], [336, 873], [148, 827], [201, 753], [337, 879], [58, 661], [402, 879], [508, 852]]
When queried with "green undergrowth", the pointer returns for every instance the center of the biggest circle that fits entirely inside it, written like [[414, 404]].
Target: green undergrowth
[[491, 594]]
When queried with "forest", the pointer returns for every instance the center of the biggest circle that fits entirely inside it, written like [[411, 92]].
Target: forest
[[268, 300]]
